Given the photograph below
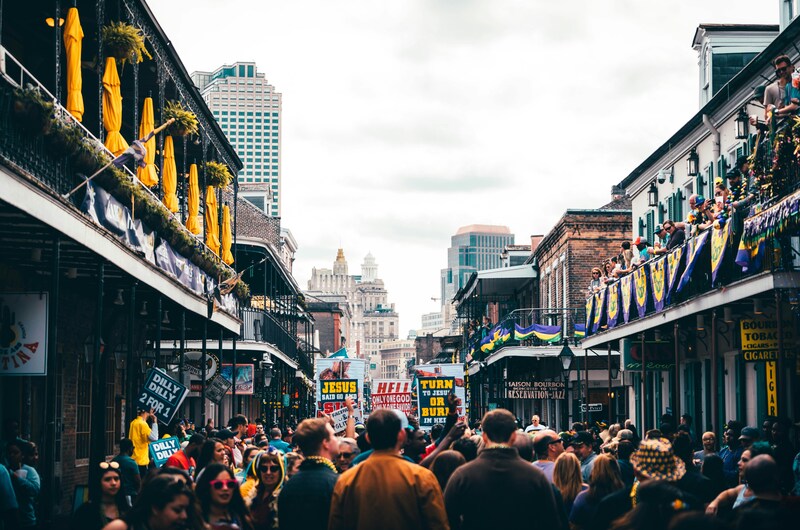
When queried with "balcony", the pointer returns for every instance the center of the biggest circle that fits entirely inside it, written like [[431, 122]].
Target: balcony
[[754, 252]]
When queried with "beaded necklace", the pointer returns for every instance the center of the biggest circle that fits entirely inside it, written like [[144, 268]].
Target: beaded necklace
[[321, 460]]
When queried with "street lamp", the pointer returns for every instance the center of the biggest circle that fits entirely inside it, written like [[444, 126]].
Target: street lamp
[[266, 371], [565, 358], [652, 195], [741, 125], [692, 164]]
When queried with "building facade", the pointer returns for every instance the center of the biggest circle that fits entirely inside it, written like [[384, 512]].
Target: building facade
[[248, 110], [394, 358]]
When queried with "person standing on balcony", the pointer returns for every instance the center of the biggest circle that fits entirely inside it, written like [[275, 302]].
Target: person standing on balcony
[[742, 191], [595, 284], [661, 232], [698, 215], [782, 98]]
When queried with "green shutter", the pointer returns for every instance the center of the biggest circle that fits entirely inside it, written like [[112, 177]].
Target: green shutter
[[650, 226]]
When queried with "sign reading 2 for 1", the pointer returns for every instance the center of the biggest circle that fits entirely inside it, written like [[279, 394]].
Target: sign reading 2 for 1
[[162, 394]]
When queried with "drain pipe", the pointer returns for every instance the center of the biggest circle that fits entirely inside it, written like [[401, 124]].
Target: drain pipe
[[715, 132]]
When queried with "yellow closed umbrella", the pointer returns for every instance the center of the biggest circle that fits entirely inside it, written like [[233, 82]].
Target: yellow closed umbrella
[[112, 108], [192, 221], [148, 174], [212, 221], [73, 39], [170, 176], [227, 237]]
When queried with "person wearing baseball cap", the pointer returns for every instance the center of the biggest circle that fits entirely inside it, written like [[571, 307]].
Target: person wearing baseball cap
[[582, 445], [748, 436]]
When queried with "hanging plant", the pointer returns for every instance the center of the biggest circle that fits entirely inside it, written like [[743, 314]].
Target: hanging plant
[[218, 175], [124, 42], [185, 121], [32, 112]]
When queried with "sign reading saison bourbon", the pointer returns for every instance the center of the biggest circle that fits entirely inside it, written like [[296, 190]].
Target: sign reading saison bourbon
[[392, 394], [535, 389]]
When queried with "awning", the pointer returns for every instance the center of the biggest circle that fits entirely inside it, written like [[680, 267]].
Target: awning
[[241, 346], [506, 281], [537, 352]]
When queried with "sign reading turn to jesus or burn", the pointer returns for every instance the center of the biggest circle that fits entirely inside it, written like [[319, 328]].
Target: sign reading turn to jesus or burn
[[432, 394]]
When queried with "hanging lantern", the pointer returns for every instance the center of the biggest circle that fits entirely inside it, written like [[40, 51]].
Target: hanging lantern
[[692, 164], [652, 195], [742, 121]]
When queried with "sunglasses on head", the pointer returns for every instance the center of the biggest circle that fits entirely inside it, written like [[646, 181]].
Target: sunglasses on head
[[273, 469], [109, 465], [223, 484]]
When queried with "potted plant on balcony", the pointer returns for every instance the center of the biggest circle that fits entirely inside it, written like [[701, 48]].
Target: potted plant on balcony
[[32, 112], [185, 121], [217, 175], [124, 42], [63, 139]]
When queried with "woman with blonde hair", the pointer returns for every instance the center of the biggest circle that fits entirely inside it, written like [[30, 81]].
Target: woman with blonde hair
[[261, 487], [605, 479], [567, 478]]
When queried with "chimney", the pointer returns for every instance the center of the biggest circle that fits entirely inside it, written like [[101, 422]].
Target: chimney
[[617, 193], [535, 240]]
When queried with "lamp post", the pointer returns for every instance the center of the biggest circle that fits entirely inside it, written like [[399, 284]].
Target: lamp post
[[692, 164], [565, 357], [741, 125], [652, 195]]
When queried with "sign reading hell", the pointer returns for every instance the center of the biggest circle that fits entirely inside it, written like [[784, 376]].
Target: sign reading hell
[[432, 394], [333, 393]]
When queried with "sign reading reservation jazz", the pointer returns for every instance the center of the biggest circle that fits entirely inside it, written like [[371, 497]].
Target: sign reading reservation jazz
[[432, 395], [760, 339], [162, 394], [535, 389]]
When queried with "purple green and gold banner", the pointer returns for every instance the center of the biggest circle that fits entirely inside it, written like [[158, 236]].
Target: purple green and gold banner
[[626, 289], [612, 314], [658, 282], [719, 242], [640, 289], [589, 315], [540, 331], [599, 309], [693, 248], [673, 266], [580, 330]]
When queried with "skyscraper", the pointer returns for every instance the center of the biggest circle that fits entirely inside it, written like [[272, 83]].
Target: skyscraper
[[473, 248], [248, 109]]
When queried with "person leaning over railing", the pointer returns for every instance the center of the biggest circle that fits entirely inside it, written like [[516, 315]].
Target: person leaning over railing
[[698, 219]]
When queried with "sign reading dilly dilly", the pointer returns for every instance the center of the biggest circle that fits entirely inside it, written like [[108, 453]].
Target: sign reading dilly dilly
[[162, 394], [162, 449]]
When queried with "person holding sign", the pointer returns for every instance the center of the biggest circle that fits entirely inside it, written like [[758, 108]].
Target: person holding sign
[[143, 430]]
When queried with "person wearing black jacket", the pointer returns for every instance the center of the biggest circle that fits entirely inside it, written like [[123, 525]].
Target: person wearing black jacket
[[305, 501], [489, 491]]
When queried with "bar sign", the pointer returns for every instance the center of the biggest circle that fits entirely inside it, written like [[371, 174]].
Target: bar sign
[[772, 394]]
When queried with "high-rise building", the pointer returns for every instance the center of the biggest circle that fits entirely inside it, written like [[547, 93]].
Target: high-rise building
[[374, 320], [248, 109], [473, 248]]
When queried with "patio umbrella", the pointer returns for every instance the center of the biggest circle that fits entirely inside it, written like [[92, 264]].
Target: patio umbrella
[[227, 237], [212, 220], [170, 176], [73, 38], [148, 174], [112, 108], [192, 221]]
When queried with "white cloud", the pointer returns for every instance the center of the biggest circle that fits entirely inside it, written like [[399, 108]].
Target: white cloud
[[405, 120]]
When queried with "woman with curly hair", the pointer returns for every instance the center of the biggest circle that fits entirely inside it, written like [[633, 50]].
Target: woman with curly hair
[[219, 500], [261, 487]]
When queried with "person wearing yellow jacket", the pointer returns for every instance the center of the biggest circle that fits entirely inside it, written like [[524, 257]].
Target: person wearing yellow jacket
[[141, 433]]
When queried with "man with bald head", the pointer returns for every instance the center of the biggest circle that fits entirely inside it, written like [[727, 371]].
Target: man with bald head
[[547, 445]]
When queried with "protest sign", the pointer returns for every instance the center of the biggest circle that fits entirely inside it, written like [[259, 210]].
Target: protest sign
[[336, 379], [162, 449], [391, 394], [216, 388], [339, 418], [429, 410], [161, 393]]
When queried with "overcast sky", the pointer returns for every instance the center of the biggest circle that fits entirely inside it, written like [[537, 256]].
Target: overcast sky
[[404, 120]]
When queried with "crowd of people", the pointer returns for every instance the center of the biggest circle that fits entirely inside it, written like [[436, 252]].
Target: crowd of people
[[390, 474]]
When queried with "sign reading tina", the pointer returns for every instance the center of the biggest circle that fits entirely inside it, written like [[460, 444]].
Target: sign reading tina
[[432, 395], [535, 389], [760, 339]]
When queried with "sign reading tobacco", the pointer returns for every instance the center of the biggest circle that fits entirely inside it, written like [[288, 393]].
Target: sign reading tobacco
[[760, 339], [535, 389]]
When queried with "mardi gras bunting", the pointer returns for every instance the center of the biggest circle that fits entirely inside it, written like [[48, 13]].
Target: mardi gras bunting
[[599, 310], [579, 331], [658, 270], [673, 266], [693, 248], [626, 288], [589, 314], [640, 288], [719, 242], [612, 313]]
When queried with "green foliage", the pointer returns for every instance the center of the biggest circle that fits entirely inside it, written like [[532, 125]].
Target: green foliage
[[31, 112], [185, 121], [125, 42], [218, 175]]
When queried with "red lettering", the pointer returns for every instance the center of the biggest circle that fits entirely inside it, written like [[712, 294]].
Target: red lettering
[[23, 357], [32, 347]]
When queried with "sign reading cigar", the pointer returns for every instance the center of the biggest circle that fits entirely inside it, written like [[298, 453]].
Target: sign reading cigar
[[760, 339], [535, 389]]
